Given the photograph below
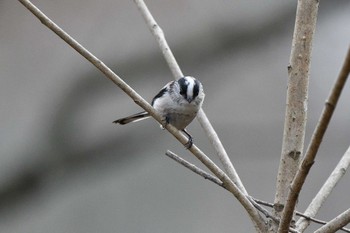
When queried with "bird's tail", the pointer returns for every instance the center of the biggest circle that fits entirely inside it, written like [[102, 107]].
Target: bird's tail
[[133, 118]]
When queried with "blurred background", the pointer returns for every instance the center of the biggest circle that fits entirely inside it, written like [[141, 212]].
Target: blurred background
[[64, 167]]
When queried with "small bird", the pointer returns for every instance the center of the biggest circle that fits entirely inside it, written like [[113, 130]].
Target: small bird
[[177, 102]]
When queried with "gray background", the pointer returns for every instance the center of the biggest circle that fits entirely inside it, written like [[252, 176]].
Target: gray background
[[64, 167]]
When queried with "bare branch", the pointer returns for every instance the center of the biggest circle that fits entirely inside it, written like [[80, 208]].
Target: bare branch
[[315, 142], [177, 73], [256, 203], [336, 223], [296, 110], [194, 168], [220, 150], [268, 214], [159, 35], [301, 215], [232, 188], [325, 191], [263, 210]]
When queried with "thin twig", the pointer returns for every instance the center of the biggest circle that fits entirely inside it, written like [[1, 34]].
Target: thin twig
[[254, 215], [296, 109], [211, 178], [225, 182], [303, 215], [315, 142], [177, 73], [268, 214], [159, 35], [336, 223], [325, 191], [263, 210], [194, 168]]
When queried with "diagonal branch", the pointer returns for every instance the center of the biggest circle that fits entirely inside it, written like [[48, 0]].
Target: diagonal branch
[[213, 179], [194, 168], [315, 142], [225, 182], [325, 191], [177, 73], [336, 224], [253, 214], [159, 35]]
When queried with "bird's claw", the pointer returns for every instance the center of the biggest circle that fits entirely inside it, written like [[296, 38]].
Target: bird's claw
[[165, 121], [189, 143]]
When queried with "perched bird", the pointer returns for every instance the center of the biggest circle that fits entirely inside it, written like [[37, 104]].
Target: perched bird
[[177, 102]]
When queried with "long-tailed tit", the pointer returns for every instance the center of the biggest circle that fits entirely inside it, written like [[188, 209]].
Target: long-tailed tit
[[177, 102]]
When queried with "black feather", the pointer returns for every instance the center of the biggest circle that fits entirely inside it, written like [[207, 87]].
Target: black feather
[[183, 87], [132, 118], [196, 89], [160, 94]]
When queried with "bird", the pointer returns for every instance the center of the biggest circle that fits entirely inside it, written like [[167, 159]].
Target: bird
[[178, 102]]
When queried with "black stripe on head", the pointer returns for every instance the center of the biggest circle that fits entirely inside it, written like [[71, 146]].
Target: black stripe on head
[[183, 83], [160, 94], [196, 88]]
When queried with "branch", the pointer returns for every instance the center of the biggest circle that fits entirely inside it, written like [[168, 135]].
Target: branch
[[194, 168], [177, 73], [315, 142], [325, 191], [254, 215], [315, 220], [212, 178], [226, 183], [268, 214], [296, 109], [336, 223]]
